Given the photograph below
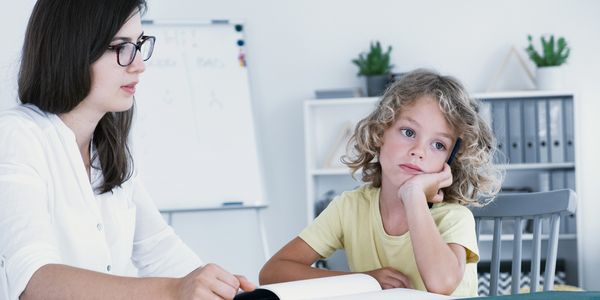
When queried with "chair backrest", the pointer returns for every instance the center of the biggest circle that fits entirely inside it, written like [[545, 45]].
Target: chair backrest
[[520, 207]]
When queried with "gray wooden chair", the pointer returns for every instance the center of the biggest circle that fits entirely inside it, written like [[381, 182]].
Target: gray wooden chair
[[520, 207]]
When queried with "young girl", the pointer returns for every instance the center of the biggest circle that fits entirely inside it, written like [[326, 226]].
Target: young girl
[[74, 216], [386, 226]]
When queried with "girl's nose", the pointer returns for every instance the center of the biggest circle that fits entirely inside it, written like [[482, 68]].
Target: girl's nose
[[416, 154]]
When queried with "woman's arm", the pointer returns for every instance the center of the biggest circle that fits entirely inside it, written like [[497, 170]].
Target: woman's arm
[[56, 281], [157, 249]]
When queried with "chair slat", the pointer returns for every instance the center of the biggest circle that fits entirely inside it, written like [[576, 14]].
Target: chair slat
[[495, 269], [551, 252], [522, 207], [516, 263], [535, 255]]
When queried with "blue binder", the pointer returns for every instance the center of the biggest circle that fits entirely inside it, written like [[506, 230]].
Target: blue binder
[[557, 179], [485, 111], [499, 119], [569, 129], [570, 220], [543, 138], [555, 112], [530, 144], [515, 131]]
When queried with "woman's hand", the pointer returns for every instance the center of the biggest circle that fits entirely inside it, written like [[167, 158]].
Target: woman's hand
[[429, 184], [390, 278], [211, 282]]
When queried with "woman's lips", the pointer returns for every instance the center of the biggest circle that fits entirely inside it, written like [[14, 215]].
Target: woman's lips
[[130, 88]]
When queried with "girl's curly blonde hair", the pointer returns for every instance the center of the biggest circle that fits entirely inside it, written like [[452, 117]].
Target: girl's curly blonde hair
[[474, 174]]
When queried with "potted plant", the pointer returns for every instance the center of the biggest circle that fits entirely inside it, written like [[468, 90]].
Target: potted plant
[[375, 66], [549, 70]]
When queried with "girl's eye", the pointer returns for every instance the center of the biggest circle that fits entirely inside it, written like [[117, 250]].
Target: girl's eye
[[439, 146], [408, 132]]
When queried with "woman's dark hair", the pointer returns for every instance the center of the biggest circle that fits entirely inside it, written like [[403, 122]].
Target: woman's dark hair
[[63, 39]]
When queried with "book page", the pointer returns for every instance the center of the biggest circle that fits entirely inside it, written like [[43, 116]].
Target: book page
[[320, 287], [392, 294]]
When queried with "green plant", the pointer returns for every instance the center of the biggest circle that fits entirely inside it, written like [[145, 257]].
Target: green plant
[[554, 54], [376, 62]]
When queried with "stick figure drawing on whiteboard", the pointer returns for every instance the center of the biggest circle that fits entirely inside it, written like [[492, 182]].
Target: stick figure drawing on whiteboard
[[214, 101], [168, 97], [75, 219]]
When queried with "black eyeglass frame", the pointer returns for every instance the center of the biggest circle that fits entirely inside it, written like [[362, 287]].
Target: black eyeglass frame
[[138, 47]]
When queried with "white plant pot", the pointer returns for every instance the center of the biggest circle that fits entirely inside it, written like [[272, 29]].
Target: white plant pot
[[549, 78]]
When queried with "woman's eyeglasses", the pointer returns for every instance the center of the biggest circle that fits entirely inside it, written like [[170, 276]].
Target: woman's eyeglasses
[[126, 51]]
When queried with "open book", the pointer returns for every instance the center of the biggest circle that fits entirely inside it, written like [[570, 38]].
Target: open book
[[353, 286]]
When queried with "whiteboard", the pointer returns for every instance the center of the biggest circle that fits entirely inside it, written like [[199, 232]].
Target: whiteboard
[[193, 137]]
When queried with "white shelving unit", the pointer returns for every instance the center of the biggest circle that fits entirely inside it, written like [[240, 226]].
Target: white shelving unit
[[325, 121]]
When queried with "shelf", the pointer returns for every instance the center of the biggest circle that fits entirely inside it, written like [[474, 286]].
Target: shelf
[[508, 167], [342, 101], [330, 171], [539, 166], [521, 94], [526, 237], [488, 96]]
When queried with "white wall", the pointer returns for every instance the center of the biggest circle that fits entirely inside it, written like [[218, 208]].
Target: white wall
[[294, 47]]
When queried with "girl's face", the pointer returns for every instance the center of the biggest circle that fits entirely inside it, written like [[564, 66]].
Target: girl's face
[[419, 141], [113, 86]]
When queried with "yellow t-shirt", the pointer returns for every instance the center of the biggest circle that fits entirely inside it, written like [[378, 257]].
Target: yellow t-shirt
[[352, 221]]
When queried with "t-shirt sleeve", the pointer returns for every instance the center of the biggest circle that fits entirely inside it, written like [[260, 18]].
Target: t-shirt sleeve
[[325, 233], [457, 225]]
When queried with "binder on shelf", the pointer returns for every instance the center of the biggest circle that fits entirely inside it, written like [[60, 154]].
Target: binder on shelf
[[543, 138], [570, 222], [569, 130], [557, 179], [557, 182], [544, 181], [530, 131], [499, 119], [570, 179], [515, 132], [557, 149], [544, 186], [485, 111]]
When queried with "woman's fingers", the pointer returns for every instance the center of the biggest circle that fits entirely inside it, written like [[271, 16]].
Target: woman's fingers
[[245, 284]]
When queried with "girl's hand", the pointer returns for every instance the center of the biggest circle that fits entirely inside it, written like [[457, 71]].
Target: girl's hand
[[429, 184], [211, 282], [439, 197], [390, 278]]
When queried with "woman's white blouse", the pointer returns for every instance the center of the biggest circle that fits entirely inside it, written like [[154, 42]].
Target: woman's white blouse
[[49, 212]]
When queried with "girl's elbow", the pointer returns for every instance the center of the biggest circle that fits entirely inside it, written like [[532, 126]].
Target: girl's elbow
[[268, 273], [264, 276], [444, 285]]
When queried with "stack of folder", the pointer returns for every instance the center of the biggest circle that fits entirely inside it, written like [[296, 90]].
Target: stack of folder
[[536, 130]]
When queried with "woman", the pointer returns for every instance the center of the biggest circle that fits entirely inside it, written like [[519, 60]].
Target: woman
[[74, 218]]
